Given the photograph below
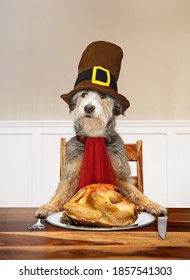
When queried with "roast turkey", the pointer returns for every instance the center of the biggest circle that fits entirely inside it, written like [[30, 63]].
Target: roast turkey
[[100, 205]]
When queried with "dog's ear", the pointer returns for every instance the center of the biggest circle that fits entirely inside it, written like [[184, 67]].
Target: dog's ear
[[72, 104], [117, 108]]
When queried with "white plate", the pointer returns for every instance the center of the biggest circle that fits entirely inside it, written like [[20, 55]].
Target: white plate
[[144, 219]]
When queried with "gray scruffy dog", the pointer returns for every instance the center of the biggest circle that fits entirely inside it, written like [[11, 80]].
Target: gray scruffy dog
[[94, 116]]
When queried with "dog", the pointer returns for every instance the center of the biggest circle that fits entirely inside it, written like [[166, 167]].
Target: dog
[[95, 116]]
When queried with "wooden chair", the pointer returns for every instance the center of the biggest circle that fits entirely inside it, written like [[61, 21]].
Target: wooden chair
[[134, 154]]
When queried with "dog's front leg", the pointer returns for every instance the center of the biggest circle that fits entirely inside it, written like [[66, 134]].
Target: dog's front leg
[[140, 199], [64, 191]]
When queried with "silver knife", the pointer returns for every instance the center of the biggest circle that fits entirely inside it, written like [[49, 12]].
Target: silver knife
[[162, 226]]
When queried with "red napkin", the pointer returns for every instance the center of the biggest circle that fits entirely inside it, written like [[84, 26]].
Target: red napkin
[[96, 166]]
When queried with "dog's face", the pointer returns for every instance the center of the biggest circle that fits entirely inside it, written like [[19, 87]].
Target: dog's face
[[93, 110]]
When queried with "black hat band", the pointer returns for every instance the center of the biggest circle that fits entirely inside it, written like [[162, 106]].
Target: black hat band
[[98, 75]]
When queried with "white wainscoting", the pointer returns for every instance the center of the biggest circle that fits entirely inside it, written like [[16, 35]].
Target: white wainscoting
[[29, 160]]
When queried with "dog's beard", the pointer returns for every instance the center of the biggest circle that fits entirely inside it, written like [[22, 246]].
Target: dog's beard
[[93, 124], [92, 127]]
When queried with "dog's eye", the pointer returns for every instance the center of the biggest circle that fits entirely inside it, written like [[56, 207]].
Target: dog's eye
[[102, 95], [83, 94]]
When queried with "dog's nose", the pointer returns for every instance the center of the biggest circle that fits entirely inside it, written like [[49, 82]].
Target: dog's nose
[[89, 108]]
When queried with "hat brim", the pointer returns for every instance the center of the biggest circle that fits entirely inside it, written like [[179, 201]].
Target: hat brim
[[90, 86]]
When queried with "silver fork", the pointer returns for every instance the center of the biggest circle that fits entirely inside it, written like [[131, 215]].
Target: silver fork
[[37, 225]]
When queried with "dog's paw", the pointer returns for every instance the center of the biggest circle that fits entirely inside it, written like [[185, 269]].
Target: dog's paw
[[155, 209], [46, 210]]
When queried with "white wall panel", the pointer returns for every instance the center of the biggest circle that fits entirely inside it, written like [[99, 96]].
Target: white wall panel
[[16, 170], [49, 165], [181, 188]]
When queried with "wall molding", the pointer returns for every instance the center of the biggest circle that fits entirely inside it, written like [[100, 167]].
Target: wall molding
[[68, 123]]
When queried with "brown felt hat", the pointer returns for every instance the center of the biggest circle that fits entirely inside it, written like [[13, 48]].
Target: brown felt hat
[[98, 70]]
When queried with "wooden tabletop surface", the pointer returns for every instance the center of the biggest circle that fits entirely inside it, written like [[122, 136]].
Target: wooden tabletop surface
[[17, 242]]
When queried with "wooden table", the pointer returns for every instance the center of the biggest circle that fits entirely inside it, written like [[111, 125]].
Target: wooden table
[[17, 242]]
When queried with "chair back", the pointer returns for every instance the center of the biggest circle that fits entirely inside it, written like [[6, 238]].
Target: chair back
[[133, 152]]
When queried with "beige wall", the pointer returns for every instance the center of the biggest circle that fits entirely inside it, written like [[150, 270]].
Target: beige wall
[[41, 42]]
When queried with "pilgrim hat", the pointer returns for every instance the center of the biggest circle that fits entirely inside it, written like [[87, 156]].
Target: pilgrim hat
[[98, 70]]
